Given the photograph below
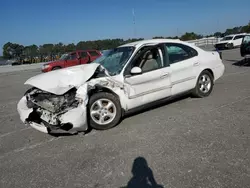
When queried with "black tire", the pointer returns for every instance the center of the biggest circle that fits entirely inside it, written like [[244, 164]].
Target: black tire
[[197, 92], [56, 68], [104, 95]]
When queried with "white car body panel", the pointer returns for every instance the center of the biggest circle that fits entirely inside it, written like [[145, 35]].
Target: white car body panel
[[211, 60], [23, 109], [237, 42], [132, 91], [154, 83]]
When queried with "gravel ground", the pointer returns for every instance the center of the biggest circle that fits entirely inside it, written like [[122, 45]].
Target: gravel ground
[[186, 143]]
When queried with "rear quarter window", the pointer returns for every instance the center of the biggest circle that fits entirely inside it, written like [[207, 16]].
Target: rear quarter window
[[175, 50], [178, 52]]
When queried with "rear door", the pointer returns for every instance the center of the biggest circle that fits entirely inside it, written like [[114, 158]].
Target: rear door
[[84, 57], [184, 65], [93, 55]]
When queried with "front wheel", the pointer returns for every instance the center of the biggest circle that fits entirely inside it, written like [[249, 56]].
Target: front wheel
[[231, 46], [104, 111], [204, 85], [56, 68]]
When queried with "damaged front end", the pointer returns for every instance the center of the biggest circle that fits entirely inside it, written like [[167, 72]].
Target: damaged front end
[[58, 100], [50, 113]]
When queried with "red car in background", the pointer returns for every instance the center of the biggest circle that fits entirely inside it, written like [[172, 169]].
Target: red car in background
[[72, 59]]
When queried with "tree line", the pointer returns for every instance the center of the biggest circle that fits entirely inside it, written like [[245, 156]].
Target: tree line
[[40, 53]]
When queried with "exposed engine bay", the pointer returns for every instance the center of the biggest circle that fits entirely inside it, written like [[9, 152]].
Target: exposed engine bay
[[51, 102], [48, 107]]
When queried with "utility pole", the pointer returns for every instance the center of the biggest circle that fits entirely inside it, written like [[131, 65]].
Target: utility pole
[[133, 12], [218, 25]]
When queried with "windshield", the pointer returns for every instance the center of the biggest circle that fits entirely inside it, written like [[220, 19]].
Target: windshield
[[227, 38], [64, 57], [105, 52], [114, 60]]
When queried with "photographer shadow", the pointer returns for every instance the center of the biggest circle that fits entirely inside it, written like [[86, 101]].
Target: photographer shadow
[[142, 175]]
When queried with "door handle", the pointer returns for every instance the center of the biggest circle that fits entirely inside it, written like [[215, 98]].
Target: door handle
[[196, 64], [165, 75]]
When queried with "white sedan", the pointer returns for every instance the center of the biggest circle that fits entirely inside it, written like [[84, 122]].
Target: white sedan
[[132, 75]]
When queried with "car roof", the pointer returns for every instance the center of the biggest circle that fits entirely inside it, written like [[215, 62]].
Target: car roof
[[232, 35], [151, 41], [86, 50]]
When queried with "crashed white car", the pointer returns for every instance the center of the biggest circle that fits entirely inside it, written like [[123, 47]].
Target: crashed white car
[[132, 75], [230, 41]]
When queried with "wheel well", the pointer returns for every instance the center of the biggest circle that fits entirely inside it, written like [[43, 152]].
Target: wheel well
[[99, 88], [209, 70], [56, 67]]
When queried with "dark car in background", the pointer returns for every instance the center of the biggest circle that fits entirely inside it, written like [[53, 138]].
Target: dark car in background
[[72, 59], [245, 47]]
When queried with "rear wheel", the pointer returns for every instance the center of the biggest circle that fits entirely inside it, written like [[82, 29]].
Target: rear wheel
[[204, 85], [104, 111]]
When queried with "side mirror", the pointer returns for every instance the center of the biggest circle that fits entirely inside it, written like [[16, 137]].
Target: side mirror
[[136, 70]]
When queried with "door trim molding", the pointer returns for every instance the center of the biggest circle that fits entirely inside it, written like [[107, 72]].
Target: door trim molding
[[150, 91], [162, 88], [184, 80]]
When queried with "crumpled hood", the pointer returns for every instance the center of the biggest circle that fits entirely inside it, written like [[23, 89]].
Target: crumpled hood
[[60, 81]]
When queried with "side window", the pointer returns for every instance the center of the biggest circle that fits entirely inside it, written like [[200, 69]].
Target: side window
[[83, 54], [148, 60], [72, 56], [238, 37], [179, 52], [93, 53]]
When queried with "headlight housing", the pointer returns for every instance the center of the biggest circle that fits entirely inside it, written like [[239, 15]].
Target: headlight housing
[[46, 66]]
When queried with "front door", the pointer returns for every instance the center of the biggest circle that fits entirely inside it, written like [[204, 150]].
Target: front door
[[238, 40], [245, 46], [72, 60], [183, 62], [153, 83]]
